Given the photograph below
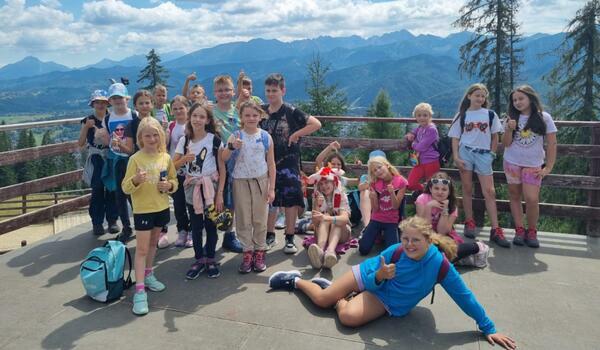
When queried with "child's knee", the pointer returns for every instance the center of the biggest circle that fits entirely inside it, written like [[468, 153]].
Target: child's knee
[[349, 318], [489, 192], [364, 248]]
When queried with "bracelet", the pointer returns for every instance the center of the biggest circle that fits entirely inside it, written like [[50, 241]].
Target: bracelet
[[334, 219]]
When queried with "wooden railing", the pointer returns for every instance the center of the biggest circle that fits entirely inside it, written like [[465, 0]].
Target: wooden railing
[[589, 183]]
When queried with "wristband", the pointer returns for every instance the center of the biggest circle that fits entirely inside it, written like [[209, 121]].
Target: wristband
[[334, 219]]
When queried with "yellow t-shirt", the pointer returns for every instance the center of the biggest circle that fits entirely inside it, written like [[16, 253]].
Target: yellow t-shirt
[[145, 197]]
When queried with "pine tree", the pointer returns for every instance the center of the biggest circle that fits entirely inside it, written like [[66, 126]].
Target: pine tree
[[382, 108], [492, 54], [7, 173], [153, 72], [27, 170], [48, 165]]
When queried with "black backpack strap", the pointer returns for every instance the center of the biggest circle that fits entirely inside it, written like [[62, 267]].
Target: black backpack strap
[[215, 149], [442, 273], [128, 282]]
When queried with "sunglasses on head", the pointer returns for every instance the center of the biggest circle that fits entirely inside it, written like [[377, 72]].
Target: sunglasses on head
[[440, 181]]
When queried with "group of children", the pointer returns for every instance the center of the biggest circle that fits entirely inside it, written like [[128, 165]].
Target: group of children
[[210, 156]]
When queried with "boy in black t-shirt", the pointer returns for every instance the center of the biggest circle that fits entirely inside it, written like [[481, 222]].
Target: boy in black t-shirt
[[286, 125]]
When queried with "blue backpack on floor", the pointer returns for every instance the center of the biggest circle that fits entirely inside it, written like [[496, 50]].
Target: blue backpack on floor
[[102, 272]]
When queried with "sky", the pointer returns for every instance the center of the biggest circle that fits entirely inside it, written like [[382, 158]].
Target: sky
[[77, 33]]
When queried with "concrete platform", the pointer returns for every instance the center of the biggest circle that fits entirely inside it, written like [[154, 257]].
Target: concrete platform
[[545, 299]]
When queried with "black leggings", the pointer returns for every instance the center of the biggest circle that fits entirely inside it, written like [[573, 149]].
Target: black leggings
[[466, 249]]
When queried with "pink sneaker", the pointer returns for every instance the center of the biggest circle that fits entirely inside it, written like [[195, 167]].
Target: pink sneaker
[[246, 265], [181, 238], [189, 242], [163, 240], [259, 261]]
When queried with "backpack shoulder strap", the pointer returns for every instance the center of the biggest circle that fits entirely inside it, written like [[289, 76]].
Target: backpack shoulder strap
[[264, 136], [186, 142], [397, 254], [215, 148], [442, 273], [491, 115], [127, 281]]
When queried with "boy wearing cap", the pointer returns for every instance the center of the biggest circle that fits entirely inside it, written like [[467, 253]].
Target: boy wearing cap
[[116, 122], [95, 138]]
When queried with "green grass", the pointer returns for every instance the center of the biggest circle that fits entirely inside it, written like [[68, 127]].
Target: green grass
[[15, 119], [14, 212]]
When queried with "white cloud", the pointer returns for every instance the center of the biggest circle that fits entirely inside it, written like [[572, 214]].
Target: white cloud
[[49, 31]]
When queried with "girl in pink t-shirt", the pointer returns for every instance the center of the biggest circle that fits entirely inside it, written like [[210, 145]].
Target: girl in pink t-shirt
[[437, 204], [386, 194]]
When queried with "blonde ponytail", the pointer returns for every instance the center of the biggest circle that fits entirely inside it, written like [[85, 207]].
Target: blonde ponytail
[[446, 244]]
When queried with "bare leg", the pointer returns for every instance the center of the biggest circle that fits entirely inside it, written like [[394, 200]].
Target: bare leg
[[338, 234], [291, 214], [489, 193], [141, 254], [365, 207], [328, 297], [154, 235], [532, 203], [362, 309], [322, 233], [516, 209], [466, 180]]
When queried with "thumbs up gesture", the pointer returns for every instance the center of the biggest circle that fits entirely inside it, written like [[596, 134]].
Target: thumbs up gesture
[[140, 177], [386, 271]]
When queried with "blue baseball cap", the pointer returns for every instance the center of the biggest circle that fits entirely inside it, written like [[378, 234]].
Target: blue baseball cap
[[377, 153], [98, 95], [117, 89]]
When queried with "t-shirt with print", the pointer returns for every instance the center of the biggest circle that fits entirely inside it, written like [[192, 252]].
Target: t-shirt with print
[[251, 162], [527, 147], [476, 133], [93, 136], [227, 121], [425, 198], [280, 128], [327, 207], [205, 163], [116, 127], [177, 133], [386, 212]]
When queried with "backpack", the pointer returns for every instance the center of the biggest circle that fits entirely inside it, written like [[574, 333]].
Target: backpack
[[102, 272], [444, 144], [442, 272]]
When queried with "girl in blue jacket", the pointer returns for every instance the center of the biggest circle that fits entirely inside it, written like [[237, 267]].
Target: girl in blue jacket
[[385, 287]]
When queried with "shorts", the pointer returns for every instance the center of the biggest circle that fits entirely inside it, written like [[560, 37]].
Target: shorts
[[477, 160], [148, 221], [516, 175]]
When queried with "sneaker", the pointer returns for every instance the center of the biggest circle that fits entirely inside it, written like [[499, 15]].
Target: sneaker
[[519, 236], [497, 236], [329, 260], [480, 259], [531, 238], [302, 225], [98, 230], [125, 235], [246, 265], [163, 240], [231, 243], [259, 261], [140, 303], [195, 270], [271, 240], [153, 284], [466, 261], [113, 228], [280, 222], [181, 238], [321, 282], [212, 270], [290, 246], [284, 280], [188, 240], [315, 256], [470, 230]]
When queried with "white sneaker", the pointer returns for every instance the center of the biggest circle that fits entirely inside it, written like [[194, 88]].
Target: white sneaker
[[290, 246], [163, 240], [181, 238], [280, 222], [315, 256], [480, 259]]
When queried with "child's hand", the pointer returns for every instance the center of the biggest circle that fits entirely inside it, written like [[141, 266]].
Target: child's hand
[[294, 138], [140, 177], [460, 164], [540, 173], [189, 156], [165, 124], [511, 124], [164, 186], [115, 142], [410, 137], [320, 200], [192, 76], [90, 123], [317, 217], [219, 201], [270, 196], [335, 146], [357, 161], [390, 188], [245, 95], [386, 271], [434, 203], [373, 195]]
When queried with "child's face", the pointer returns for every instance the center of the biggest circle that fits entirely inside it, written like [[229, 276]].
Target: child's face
[[380, 170], [248, 86], [521, 102], [197, 94], [326, 187], [119, 104], [336, 163], [250, 117], [415, 243], [160, 96], [100, 106], [150, 139], [477, 99], [274, 94], [143, 105], [223, 92], [423, 117], [439, 192], [180, 111], [199, 118]]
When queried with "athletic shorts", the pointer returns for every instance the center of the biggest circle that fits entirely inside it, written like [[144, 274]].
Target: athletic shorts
[[148, 221]]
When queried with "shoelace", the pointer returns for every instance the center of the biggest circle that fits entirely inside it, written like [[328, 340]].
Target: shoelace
[[531, 234], [470, 224], [499, 233]]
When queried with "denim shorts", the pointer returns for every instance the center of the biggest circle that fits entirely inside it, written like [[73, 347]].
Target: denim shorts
[[477, 160]]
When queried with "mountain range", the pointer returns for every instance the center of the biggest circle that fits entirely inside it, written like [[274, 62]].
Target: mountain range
[[410, 68]]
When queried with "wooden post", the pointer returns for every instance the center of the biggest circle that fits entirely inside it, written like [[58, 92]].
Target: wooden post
[[24, 204], [55, 198], [593, 224]]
